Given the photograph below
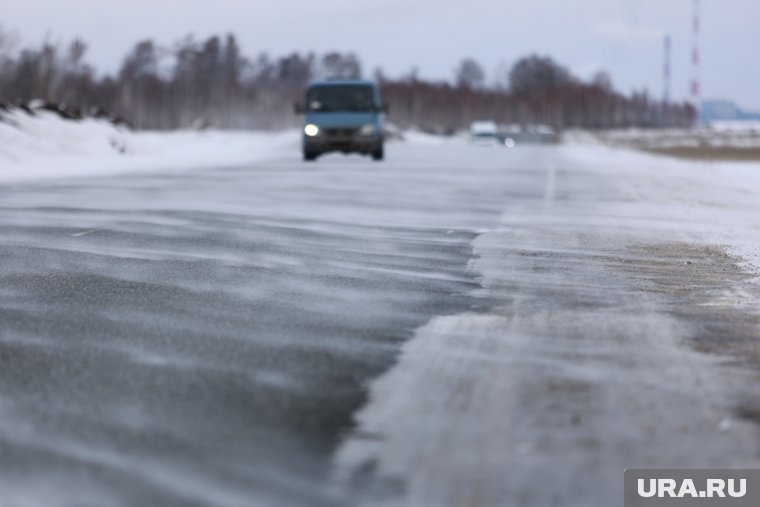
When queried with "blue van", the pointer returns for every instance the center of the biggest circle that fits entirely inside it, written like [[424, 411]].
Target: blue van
[[346, 116]]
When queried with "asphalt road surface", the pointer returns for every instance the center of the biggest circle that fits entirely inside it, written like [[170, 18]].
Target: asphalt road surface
[[456, 326]]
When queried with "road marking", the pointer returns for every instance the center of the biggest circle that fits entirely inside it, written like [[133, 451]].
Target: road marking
[[551, 186], [82, 233]]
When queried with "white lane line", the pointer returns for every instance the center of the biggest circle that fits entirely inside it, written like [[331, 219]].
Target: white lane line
[[82, 233], [551, 186]]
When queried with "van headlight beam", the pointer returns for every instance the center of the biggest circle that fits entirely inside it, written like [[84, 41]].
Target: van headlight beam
[[311, 130]]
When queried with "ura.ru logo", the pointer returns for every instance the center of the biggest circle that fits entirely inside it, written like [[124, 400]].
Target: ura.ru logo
[[714, 488]]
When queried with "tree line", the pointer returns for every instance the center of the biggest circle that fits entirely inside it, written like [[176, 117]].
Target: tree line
[[210, 82]]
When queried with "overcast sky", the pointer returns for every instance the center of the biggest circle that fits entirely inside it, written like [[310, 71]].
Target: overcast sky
[[624, 37]]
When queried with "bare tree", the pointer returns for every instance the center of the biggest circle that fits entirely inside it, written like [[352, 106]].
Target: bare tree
[[603, 80], [470, 74], [210, 82], [335, 65], [536, 73]]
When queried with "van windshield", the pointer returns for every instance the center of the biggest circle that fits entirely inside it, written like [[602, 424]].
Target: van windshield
[[340, 98]]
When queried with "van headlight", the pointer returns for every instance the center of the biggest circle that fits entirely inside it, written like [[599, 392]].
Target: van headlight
[[311, 130], [367, 130]]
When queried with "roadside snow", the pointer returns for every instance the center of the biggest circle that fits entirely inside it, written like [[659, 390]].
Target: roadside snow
[[713, 202], [414, 136], [44, 145], [718, 135], [736, 125]]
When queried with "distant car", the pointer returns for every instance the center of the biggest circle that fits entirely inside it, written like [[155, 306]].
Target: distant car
[[346, 116], [484, 133], [488, 133]]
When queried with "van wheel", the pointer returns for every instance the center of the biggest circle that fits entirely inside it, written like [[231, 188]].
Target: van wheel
[[378, 153], [309, 156]]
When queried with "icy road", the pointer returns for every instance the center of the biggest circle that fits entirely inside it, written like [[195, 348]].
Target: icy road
[[458, 326]]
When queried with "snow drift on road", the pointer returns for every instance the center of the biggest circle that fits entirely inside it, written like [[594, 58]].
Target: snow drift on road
[[44, 145], [606, 264]]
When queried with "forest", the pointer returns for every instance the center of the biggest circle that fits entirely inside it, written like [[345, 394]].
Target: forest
[[211, 83]]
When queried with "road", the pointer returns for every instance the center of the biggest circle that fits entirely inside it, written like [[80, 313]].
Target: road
[[457, 326]]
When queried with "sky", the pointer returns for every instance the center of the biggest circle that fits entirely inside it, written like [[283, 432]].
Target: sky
[[623, 37]]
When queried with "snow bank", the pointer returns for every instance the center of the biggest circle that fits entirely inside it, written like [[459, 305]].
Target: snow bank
[[736, 125], [414, 136], [44, 145]]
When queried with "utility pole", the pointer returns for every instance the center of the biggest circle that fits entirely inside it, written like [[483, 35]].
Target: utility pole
[[695, 61], [666, 73]]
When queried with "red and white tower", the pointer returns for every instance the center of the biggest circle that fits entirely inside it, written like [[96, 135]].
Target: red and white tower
[[695, 84]]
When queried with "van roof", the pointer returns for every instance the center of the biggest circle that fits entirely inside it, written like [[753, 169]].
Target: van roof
[[341, 82]]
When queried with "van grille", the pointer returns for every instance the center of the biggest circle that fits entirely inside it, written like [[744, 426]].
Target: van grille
[[340, 133]]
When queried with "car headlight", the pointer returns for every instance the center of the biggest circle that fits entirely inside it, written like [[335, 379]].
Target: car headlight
[[311, 130], [367, 130]]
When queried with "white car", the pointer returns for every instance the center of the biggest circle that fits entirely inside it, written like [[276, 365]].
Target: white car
[[484, 133]]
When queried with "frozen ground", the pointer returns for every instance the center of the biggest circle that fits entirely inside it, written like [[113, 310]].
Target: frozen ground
[[456, 326]]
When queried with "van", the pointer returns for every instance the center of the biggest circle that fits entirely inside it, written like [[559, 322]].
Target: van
[[346, 116]]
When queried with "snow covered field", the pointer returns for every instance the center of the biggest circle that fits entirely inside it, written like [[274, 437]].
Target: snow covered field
[[718, 135], [715, 202]]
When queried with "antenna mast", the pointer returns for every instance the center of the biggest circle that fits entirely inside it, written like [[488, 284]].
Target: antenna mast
[[695, 61], [666, 73]]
